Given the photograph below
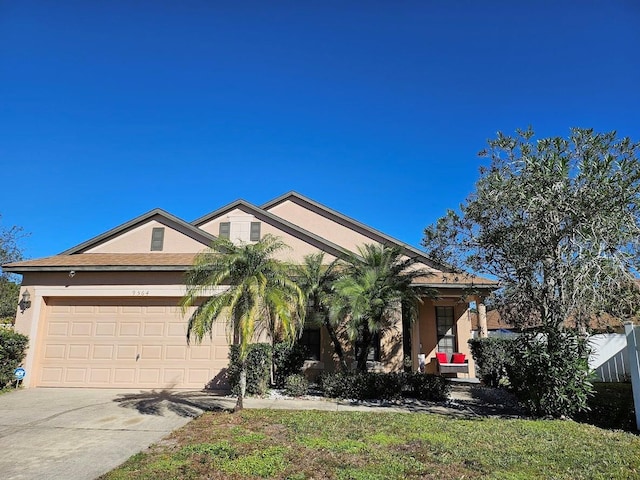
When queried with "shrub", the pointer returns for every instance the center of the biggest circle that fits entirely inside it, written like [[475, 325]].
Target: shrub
[[428, 386], [384, 386], [296, 385], [492, 355], [611, 406], [550, 372], [13, 348], [288, 360], [258, 368]]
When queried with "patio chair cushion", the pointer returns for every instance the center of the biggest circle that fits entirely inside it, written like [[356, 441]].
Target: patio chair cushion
[[457, 358], [442, 357]]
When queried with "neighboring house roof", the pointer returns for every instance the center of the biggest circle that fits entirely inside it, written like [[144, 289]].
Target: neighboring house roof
[[156, 214], [105, 262]]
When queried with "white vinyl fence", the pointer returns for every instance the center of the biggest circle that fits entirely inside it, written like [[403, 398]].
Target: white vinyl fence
[[609, 357]]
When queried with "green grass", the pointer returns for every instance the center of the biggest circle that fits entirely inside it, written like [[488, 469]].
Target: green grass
[[371, 445]]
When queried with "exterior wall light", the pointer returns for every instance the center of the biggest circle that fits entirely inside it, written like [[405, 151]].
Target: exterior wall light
[[25, 303]]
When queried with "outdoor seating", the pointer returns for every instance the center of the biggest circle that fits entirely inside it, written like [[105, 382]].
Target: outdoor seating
[[456, 364]]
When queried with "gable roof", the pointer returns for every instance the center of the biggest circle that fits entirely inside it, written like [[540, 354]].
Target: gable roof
[[359, 227], [156, 214], [261, 214]]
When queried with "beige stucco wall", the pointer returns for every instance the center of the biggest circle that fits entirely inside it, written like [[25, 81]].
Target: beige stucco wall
[[298, 248], [138, 240], [321, 226]]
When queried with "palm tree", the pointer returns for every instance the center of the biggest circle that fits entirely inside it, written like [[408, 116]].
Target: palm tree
[[376, 282], [316, 280], [246, 286]]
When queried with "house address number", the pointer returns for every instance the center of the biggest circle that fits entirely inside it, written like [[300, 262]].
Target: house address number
[[140, 293]]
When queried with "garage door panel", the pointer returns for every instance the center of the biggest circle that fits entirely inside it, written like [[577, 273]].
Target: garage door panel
[[81, 329], [129, 329], [151, 352], [75, 375], [106, 329], [103, 352], [126, 352], [58, 329], [79, 352], [153, 329], [126, 342], [149, 376]]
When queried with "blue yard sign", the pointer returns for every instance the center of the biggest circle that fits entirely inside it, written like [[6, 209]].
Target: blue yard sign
[[19, 373]]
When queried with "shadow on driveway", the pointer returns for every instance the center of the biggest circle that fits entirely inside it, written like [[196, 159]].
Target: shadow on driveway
[[184, 404]]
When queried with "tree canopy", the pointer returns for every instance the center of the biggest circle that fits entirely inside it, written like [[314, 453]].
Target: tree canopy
[[375, 283], [10, 251], [556, 221], [245, 286]]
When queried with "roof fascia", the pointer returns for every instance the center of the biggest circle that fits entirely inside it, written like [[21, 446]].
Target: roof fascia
[[101, 268], [356, 225], [183, 227]]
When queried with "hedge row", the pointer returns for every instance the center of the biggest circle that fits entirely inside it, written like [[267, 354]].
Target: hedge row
[[384, 386]]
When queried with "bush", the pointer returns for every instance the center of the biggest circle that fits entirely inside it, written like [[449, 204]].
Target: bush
[[550, 372], [611, 406], [258, 368], [296, 385], [428, 386], [13, 348], [384, 386], [492, 355], [288, 360]]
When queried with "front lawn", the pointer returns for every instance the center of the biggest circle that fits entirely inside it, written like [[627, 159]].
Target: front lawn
[[372, 445]]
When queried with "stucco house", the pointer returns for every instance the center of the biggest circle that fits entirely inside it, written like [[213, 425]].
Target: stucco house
[[104, 313]]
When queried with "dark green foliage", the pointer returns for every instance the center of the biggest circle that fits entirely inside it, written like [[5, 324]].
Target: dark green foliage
[[550, 372], [611, 406], [384, 386], [492, 355], [428, 387], [288, 359], [258, 368], [296, 385], [9, 297], [13, 348]]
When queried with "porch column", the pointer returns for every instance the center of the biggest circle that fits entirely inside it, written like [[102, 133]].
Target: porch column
[[482, 320]]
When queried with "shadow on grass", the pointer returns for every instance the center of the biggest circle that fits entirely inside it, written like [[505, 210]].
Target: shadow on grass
[[184, 404]]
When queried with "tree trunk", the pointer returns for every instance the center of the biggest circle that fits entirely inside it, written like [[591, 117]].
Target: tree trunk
[[364, 351], [243, 386], [337, 346]]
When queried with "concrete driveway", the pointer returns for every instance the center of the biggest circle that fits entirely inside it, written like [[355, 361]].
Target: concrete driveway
[[83, 433]]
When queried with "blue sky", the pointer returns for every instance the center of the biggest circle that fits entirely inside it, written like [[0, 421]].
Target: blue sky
[[376, 109]]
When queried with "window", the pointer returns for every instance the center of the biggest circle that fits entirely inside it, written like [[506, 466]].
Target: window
[[446, 329], [255, 232], [157, 239], [225, 230], [311, 340]]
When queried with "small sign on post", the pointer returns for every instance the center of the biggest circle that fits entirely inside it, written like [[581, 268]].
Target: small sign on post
[[19, 374]]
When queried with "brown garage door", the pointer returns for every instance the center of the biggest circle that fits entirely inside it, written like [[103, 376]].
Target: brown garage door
[[124, 343]]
